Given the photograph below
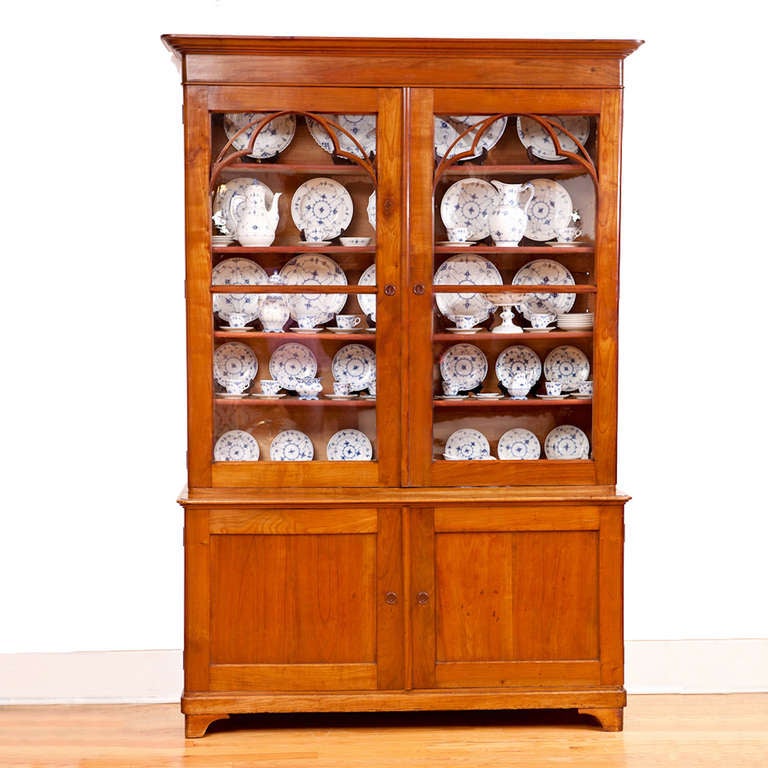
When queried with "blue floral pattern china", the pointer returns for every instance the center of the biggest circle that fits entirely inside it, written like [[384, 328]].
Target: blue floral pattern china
[[466, 269], [291, 445], [237, 271], [273, 138], [568, 365], [467, 444], [550, 210], [362, 127], [535, 137], [223, 213], [518, 361], [314, 269], [290, 363], [354, 364], [518, 444], [236, 445], [367, 301], [464, 365], [234, 366], [544, 272], [469, 203], [566, 442], [449, 127], [321, 208], [349, 445]]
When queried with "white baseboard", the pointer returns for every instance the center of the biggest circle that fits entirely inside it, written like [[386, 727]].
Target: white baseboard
[[652, 666]]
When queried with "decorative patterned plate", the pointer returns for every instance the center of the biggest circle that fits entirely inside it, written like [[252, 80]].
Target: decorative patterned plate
[[518, 360], [466, 269], [464, 365], [237, 271], [566, 442], [290, 362], [273, 138], [321, 208], [291, 445], [544, 272], [449, 127], [550, 210], [469, 203], [568, 365], [370, 209], [314, 269], [362, 127], [234, 366], [236, 445], [367, 301], [518, 444], [349, 445], [536, 138], [223, 217], [468, 444], [354, 364]]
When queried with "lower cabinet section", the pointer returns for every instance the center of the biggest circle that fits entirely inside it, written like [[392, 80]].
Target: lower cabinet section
[[403, 607]]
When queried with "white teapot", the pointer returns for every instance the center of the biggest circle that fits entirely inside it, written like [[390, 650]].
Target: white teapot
[[256, 224]]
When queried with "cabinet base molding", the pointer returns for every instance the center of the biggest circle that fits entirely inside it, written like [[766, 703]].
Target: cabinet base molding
[[201, 709]]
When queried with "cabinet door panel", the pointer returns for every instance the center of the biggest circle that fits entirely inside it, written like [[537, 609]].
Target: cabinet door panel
[[512, 602]]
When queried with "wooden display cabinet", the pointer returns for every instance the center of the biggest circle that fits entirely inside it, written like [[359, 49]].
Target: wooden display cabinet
[[416, 578]]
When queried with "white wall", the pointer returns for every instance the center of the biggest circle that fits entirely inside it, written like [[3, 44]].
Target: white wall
[[93, 391]]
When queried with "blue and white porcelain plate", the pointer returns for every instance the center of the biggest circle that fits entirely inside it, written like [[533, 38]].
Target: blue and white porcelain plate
[[566, 442], [314, 269], [291, 445], [321, 208], [536, 138], [550, 210], [544, 272], [273, 138], [469, 203], [518, 444], [568, 365], [362, 127], [236, 445], [349, 445], [237, 271], [354, 364], [367, 301], [466, 269], [467, 444], [449, 127], [291, 362], [234, 366], [223, 216], [464, 365], [518, 360]]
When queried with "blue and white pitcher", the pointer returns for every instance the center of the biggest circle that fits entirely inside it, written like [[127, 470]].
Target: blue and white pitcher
[[509, 218]]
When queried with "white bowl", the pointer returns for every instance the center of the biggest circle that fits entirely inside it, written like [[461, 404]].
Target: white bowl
[[354, 241]]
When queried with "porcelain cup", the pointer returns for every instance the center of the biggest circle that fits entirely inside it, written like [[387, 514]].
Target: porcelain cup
[[554, 387], [237, 320], [306, 322], [372, 388], [340, 388], [348, 321], [568, 234], [458, 234], [269, 386], [464, 322], [541, 319], [236, 387], [585, 387], [450, 388]]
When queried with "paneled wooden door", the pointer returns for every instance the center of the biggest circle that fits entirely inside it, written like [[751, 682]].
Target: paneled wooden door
[[294, 600], [516, 597]]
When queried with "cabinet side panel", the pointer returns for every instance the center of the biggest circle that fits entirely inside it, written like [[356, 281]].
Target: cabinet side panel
[[196, 600]]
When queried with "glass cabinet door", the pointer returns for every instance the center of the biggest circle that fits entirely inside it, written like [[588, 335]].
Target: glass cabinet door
[[291, 325], [513, 272]]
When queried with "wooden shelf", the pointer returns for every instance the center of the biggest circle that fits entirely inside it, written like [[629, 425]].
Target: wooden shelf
[[291, 402], [529, 402]]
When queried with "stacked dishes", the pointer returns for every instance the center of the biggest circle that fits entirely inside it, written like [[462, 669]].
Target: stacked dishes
[[576, 321]]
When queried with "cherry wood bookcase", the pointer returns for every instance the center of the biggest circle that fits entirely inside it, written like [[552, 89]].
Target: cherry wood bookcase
[[408, 581]]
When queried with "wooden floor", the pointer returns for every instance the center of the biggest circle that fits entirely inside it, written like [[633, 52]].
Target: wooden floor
[[727, 731]]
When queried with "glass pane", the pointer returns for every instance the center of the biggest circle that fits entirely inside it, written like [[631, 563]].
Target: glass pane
[[294, 228], [512, 368]]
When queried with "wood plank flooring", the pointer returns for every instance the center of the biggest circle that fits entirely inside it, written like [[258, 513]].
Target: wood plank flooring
[[727, 731]]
